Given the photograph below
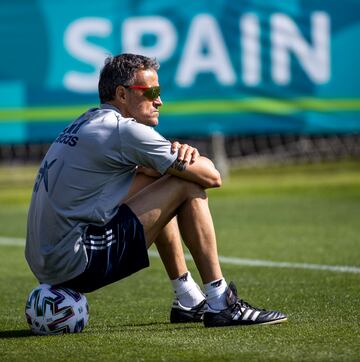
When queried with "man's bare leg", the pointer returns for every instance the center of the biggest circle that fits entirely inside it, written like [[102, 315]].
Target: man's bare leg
[[197, 230], [159, 202], [170, 249], [168, 242]]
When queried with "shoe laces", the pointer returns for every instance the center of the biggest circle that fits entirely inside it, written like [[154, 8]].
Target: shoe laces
[[242, 304], [236, 303]]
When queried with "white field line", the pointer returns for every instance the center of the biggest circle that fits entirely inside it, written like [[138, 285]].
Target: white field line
[[278, 264], [236, 261], [11, 241]]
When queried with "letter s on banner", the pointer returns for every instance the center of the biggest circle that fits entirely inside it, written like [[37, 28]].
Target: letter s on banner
[[134, 28], [77, 45]]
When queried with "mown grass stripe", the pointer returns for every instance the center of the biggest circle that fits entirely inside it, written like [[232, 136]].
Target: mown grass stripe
[[43, 113], [235, 261], [252, 105]]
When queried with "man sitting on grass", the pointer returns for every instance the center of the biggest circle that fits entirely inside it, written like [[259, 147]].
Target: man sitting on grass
[[110, 186]]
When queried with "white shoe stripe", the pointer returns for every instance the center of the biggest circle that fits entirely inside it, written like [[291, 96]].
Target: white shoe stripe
[[247, 314], [255, 315], [237, 316]]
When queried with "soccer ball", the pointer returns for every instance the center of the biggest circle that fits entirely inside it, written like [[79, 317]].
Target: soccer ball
[[51, 310]]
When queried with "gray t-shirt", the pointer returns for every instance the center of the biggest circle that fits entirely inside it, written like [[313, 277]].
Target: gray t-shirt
[[84, 176]]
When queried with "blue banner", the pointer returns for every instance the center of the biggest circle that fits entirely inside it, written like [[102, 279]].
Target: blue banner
[[235, 67]]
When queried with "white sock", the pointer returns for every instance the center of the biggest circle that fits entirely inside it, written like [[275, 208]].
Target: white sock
[[216, 294], [187, 291]]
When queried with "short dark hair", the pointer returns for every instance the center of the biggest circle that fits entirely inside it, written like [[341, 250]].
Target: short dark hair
[[120, 70]]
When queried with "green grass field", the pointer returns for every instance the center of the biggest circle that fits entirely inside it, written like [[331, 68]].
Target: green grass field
[[304, 214]]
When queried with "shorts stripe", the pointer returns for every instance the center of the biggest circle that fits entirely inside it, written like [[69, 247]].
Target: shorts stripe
[[108, 234], [100, 242], [103, 247]]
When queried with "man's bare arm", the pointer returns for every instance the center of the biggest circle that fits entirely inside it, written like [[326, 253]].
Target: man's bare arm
[[202, 171]]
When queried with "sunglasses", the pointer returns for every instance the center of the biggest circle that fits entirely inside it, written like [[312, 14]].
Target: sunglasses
[[150, 93]]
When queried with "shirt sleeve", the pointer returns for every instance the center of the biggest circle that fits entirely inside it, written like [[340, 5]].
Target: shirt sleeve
[[142, 145]]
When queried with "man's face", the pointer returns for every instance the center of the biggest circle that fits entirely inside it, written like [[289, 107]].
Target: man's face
[[137, 105]]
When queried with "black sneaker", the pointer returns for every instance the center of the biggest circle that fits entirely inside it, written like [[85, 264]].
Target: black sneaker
[[181, 314], [240, 312]]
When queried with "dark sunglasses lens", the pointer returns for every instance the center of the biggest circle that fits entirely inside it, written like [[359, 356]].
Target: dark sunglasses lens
[[152, 93]]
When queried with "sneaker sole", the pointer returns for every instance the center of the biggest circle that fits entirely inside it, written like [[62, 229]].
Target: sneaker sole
[[277, 321]]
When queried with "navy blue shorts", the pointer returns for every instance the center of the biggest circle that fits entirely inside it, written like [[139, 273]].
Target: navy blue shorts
[[114, 252]]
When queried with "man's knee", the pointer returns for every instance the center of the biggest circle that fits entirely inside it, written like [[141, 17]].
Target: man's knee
[[189, 189]]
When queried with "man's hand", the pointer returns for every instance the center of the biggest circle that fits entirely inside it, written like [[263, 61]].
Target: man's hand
[[186, 154]]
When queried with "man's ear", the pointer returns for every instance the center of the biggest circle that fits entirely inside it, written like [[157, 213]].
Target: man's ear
[[120, 94]]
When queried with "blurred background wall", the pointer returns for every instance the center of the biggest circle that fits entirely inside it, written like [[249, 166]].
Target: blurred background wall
[[244, 80]]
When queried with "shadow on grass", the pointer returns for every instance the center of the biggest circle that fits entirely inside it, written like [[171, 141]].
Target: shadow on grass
[[15, 334], [156, 326], [24, 333], [145, 327]]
